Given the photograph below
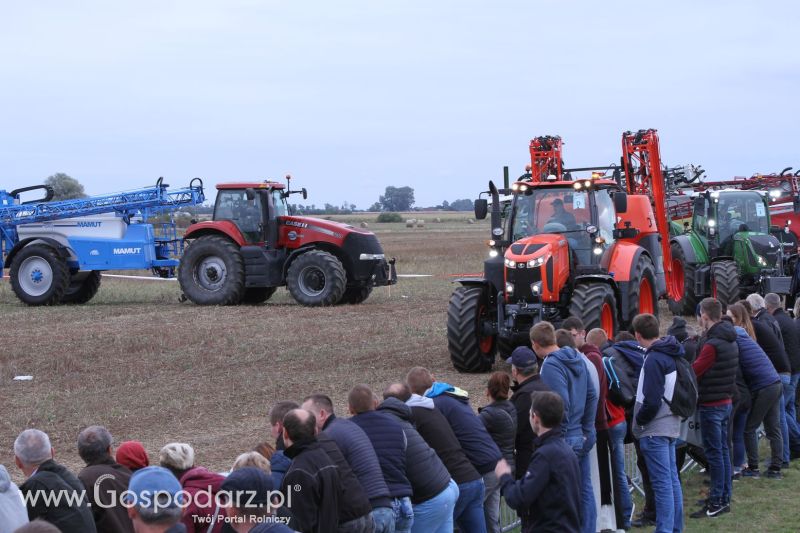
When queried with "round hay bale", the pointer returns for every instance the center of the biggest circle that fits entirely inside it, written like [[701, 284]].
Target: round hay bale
[[420, 223], [364, 225], [438, 220], [411, 222], [470, 221]]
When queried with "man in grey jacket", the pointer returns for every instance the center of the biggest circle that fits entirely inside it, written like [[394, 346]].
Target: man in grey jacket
[[12, 508]]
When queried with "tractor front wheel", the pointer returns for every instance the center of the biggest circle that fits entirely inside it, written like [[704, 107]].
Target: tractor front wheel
[[82, 287], [39, 275], [355, 295], [681, 284], [642, 296], [211, 271], [725, 282], [595, 304], [316, 278], [471, 348]]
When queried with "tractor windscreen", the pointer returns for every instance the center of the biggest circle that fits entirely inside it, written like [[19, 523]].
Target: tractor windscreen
[[233, 205], [279, 203], [741, 211], [551, 210]]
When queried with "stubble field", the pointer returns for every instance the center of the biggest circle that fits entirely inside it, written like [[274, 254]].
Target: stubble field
[[152, 369]]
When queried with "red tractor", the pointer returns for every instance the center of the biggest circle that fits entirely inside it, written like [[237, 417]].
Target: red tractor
[[254, 245], [587, 246]]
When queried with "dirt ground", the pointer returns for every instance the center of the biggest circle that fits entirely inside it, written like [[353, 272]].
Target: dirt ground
[[155, 370]]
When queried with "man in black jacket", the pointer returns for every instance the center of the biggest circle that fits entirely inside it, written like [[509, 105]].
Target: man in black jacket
[[434, 428], [34, 455], [313, 480], [791, 342], [105, 481], [525, 372], [550, 490], [715, 367]]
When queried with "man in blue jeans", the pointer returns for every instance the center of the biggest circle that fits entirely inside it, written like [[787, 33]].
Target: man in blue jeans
[[653, 422], [566, 373], [715, 368]]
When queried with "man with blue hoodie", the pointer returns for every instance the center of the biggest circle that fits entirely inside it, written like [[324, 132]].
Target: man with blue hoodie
[[653, 422], [565, 372]]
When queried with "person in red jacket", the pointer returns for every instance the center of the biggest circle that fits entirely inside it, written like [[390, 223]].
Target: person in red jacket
[[200, 484]]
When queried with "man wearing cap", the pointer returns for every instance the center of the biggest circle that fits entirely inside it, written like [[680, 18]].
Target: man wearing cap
[[154, 501], [561, 215], [525, 372], [249, 508]]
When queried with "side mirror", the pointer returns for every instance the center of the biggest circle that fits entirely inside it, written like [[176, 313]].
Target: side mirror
[[620, 202], [699, 204], [250, 193], [305, 193], [481, 208]]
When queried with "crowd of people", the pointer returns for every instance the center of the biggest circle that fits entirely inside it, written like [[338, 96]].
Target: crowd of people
[[418, 458]]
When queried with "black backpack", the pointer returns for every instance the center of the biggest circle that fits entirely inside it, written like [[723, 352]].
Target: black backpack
[[620, 391], [684, 397]]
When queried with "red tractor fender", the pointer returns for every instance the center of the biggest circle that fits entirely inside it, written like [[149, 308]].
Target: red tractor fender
[[619, 260], [220, 227]]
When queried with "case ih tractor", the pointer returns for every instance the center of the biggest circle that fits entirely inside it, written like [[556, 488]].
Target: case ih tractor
[[254, 245], [571, 245]]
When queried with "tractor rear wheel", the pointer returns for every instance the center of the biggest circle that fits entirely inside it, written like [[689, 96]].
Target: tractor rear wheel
[[82, 287], [39, 275], [725, 282], [682, 284], [642, 296], [316, 278], [355, 295], [211, 271], [595, 304], [505, 347], [471, 349], [257, 295]]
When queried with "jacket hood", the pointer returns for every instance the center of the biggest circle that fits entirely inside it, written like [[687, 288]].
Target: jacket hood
[[678, 329], [587, 349], [419, 401], [741, 332], [397, 408], [571, 359], [438, 388], [668, 345], [723, 330], [5, 480], [201, 478]]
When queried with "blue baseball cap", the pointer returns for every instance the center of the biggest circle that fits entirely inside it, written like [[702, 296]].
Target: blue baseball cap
[[250, 481], [154, 486], [522, 357]]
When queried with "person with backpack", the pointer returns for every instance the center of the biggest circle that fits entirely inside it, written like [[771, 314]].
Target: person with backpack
[[622, 362], [715, 367], [657, 416]]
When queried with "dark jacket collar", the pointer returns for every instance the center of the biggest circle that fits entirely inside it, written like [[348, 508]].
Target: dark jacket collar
[[299, 447], [107, 460], [554, 433], [329, 421], [517, 386]]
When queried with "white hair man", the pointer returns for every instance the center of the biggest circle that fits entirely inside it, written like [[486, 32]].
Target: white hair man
[[34, 456]]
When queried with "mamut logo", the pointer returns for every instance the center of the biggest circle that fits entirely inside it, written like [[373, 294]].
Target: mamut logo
[[127, 251], [89, 224]]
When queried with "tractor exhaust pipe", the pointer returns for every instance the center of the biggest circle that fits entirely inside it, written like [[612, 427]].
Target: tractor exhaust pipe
[[497, 229]]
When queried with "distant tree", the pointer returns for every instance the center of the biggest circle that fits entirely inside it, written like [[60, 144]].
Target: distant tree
[[65, 187], [461, 205], [446, 205], [397, 199], [375, 207]]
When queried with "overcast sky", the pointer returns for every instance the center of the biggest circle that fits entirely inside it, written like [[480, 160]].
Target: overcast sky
[[352, 96]]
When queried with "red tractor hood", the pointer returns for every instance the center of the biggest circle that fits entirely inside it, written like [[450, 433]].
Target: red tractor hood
[[541, 260], [535, 246], [323, 224]]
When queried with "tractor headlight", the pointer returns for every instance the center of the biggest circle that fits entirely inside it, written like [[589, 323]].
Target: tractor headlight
[[775, 193], [509, 263], [492, 253], [523, 188], [577, 185], [711, 222], [371, 257], [597, 250], [509, 288], [761, 261], [536, 288], [533, 263]]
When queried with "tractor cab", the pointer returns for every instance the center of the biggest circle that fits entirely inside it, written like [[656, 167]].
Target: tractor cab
[[255, 209]]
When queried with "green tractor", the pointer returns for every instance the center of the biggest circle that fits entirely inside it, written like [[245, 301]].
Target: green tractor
[[728, 251]]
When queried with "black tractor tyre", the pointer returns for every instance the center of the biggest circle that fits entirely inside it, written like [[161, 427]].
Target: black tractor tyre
[[82, 288], [643, 277], [316, 278], [355, 295], [39, 275], [211, 271], [505, 347], [257, 295], [470, 350], [688, 302], [596, 306], [725, 282]]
